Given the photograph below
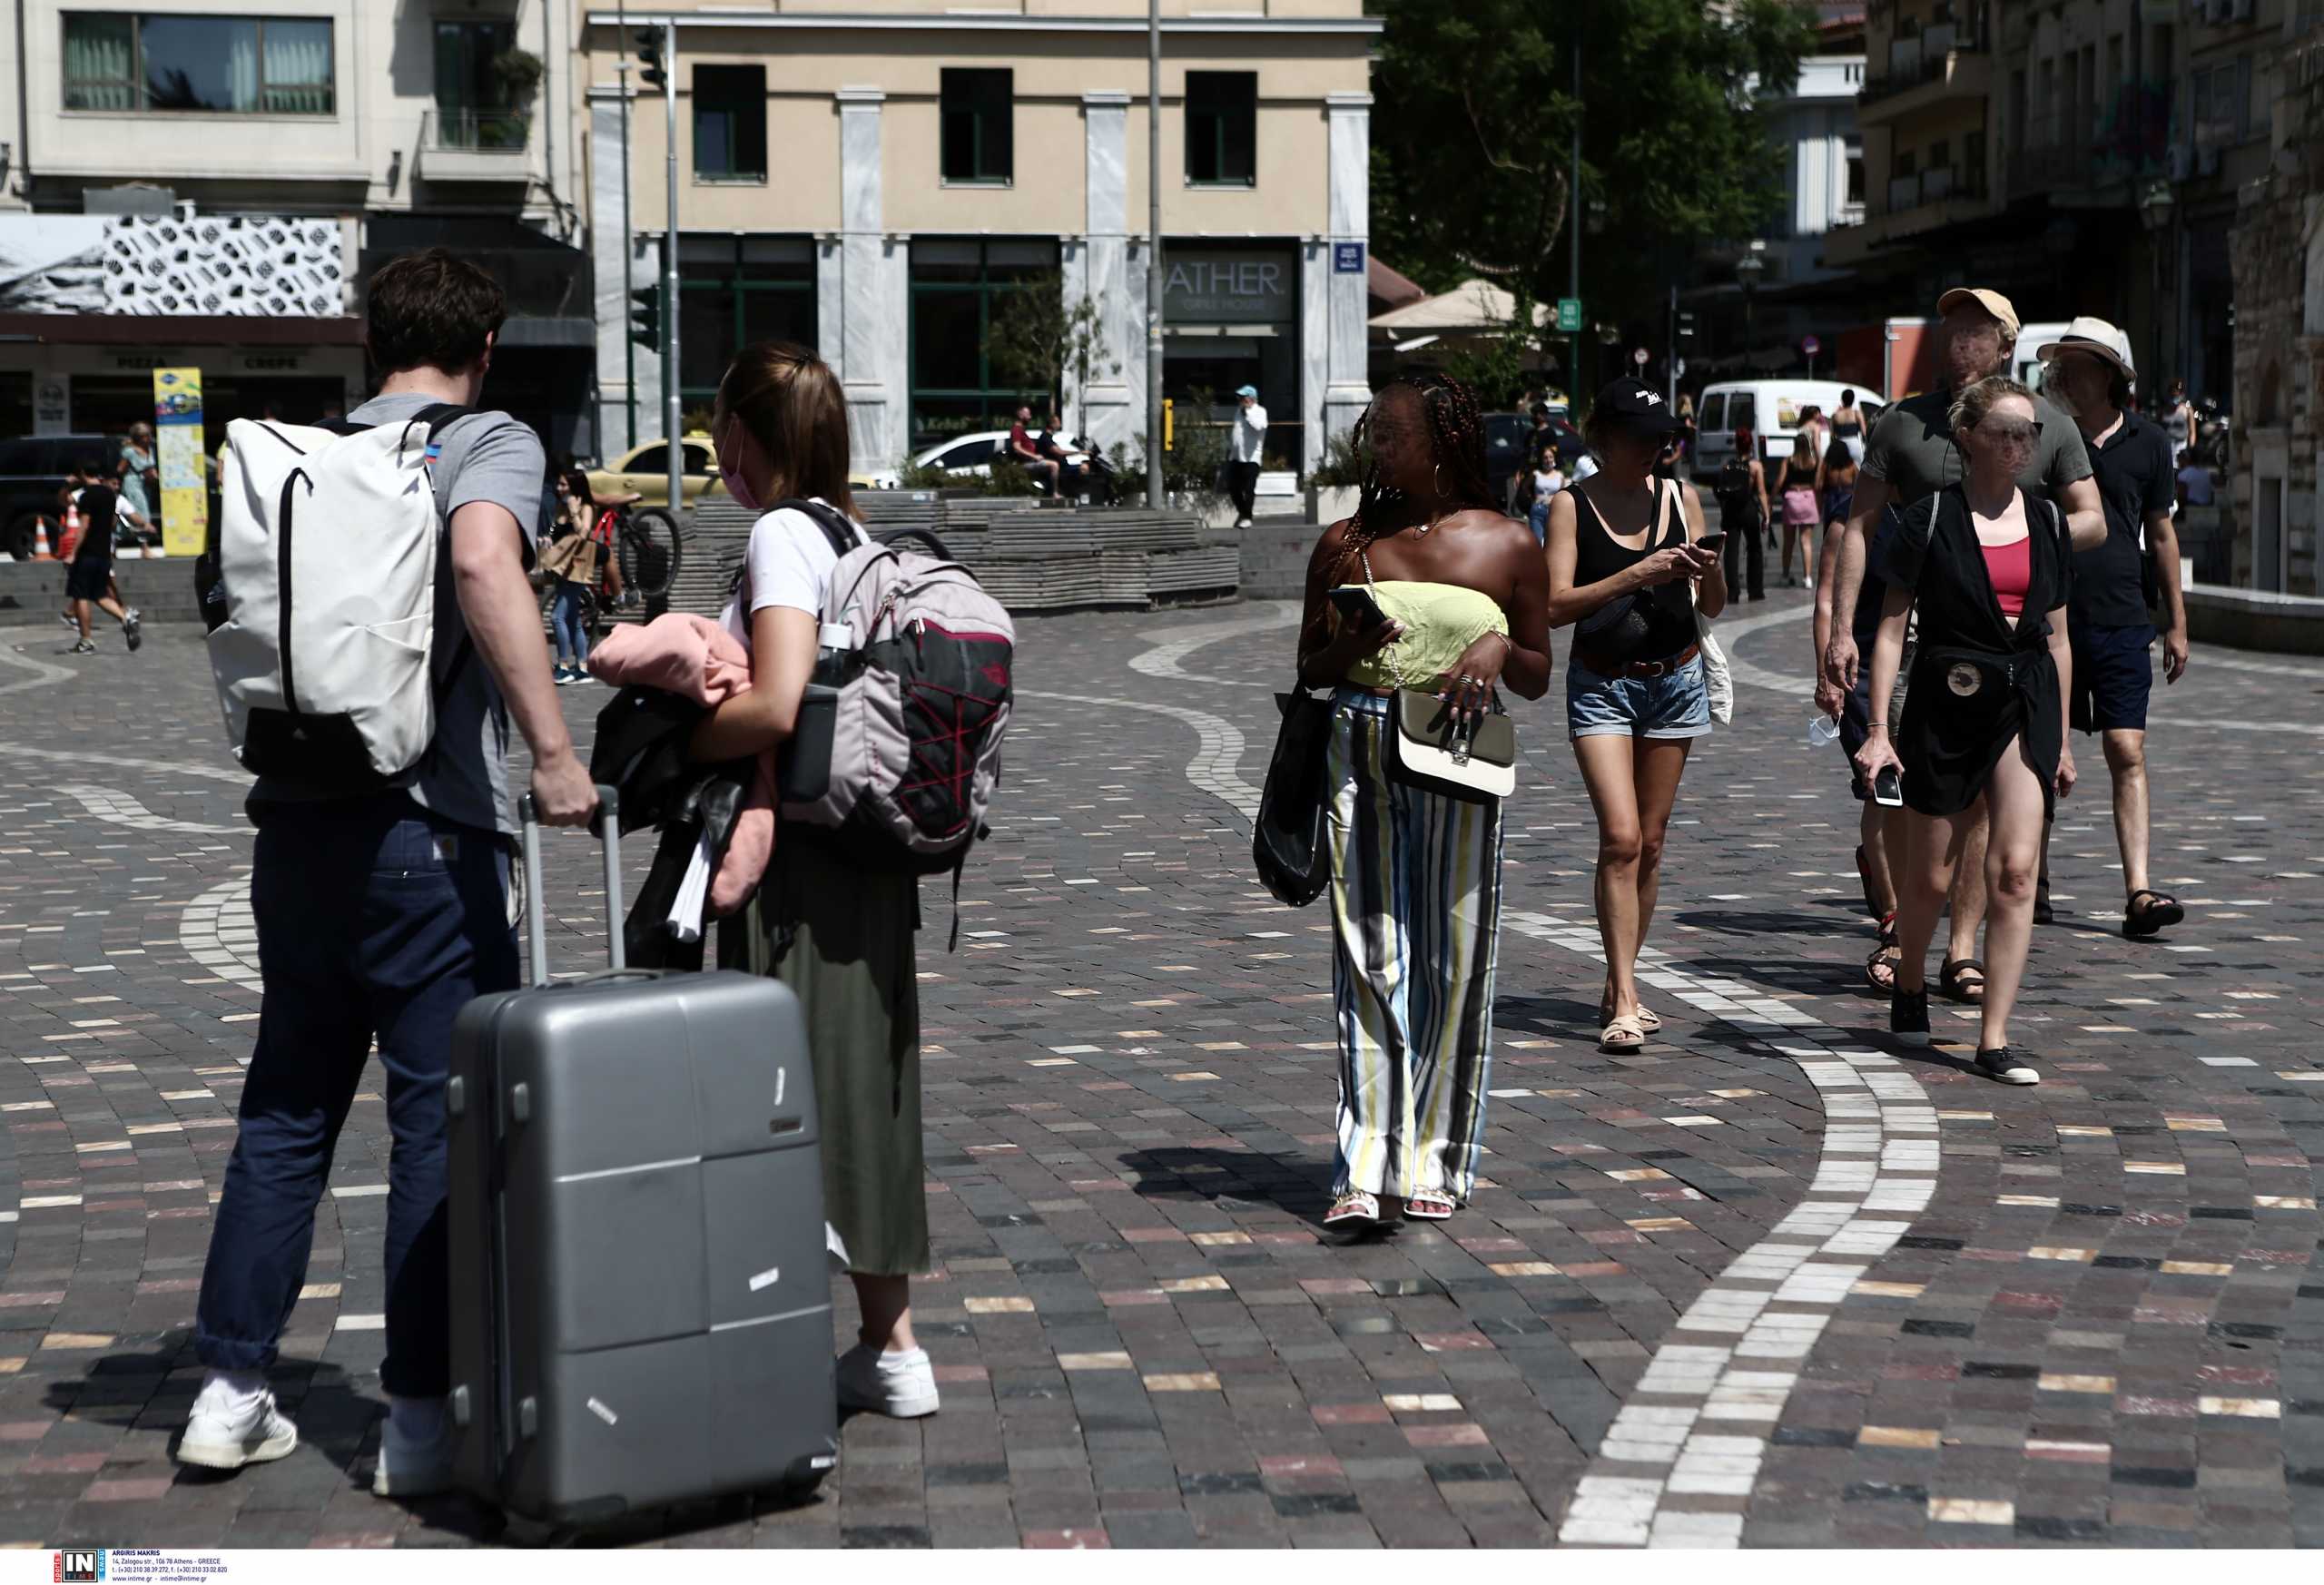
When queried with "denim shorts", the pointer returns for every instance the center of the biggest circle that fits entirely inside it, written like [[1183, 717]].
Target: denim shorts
[[1676, 707]]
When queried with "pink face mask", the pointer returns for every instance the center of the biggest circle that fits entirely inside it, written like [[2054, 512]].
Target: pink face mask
[[736, 485]]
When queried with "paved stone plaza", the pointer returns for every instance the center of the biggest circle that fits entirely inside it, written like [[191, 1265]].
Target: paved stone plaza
[[1770, 1281]]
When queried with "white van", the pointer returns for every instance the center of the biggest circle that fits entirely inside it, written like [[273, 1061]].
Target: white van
[[1769, 408]]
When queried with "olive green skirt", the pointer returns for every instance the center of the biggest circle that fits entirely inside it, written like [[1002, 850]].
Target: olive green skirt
[[851, 964]]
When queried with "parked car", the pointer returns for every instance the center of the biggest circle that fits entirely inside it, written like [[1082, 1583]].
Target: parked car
[[645, 470], [32, 476], [1769, 408], [972, 456]]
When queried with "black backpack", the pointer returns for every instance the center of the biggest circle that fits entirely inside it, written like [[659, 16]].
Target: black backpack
[[1736, 498]]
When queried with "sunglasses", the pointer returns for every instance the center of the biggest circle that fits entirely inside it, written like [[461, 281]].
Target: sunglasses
[[2021, 432]]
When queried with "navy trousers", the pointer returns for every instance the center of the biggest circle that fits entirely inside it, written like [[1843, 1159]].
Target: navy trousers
[[375, 920]]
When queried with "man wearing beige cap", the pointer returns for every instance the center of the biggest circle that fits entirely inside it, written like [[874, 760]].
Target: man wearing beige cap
[[1912, 455]]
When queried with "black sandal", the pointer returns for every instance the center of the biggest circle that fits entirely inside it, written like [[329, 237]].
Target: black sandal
[[2138, 924], [1881, 960], [1950, 980]]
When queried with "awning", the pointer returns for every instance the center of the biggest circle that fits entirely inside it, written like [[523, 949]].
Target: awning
[[1472, 307]]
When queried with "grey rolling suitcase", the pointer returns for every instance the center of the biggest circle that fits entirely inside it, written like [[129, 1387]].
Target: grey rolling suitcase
[[641, 1302]]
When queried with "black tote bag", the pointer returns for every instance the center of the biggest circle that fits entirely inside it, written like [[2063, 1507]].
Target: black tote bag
[[1288, 845]]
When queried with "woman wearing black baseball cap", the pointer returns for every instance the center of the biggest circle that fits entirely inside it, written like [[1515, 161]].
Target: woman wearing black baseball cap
[[1629, 563]]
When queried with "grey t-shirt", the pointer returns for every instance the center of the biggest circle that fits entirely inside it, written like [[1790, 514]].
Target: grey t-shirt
[[484, 457], [1911, 451]]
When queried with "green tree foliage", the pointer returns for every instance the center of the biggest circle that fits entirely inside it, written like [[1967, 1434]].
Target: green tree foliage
[[1476, 106], [1036, 338]]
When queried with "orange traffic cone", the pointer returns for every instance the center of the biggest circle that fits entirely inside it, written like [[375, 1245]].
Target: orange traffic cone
[[40, 540], [69, 535]]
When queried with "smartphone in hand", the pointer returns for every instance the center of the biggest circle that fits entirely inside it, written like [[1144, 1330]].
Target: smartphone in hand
[[1888, 788], [1358, 609], [1713, 543]]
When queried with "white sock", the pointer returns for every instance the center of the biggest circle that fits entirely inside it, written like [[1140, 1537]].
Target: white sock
[[416, 1419], [232, 1392]]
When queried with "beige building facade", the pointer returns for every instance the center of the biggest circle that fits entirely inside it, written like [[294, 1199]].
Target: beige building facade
[[208, 184], [872, 179]]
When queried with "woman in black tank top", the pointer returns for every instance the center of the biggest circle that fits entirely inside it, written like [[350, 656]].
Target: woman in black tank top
[[1664, 623], [1626, 570]]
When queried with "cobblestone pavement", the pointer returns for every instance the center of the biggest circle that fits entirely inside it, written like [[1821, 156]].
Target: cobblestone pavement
[[1767, 1280]]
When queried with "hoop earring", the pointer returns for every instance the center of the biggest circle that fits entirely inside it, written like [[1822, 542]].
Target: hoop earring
[[1437, 477]]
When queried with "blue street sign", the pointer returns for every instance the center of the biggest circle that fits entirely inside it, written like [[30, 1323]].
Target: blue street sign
[[1347, 258]]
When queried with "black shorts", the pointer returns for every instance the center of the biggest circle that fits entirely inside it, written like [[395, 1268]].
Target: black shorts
[[87, 577], [2113, 675]]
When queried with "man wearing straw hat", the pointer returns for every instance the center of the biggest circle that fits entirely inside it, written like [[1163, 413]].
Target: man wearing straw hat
[[2088, 372]]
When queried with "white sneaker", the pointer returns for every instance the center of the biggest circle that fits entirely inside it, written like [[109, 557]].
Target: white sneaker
[[415, 1449], [902, 1386], [233, 1424]]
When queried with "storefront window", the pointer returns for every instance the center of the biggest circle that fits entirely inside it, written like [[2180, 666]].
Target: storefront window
[[730, 123], [237, 65], [1222, 128], [1232, 318], [733, 291], [954, 288]]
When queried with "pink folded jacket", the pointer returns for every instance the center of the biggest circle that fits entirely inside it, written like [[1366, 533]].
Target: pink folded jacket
[[695, 657]]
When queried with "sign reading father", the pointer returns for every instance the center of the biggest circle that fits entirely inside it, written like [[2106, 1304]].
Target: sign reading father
[[1241, 286]]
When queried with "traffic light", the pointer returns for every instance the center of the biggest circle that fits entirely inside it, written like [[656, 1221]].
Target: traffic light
[[650, 68], [646, 316], [1686, 324]]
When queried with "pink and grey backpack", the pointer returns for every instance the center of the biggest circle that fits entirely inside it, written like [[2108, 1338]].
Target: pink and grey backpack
[[911, 687]]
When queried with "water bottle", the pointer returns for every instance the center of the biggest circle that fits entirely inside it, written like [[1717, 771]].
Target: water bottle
[[1823, 730]]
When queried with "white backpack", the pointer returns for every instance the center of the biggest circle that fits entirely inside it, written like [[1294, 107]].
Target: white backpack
[[320, 596]]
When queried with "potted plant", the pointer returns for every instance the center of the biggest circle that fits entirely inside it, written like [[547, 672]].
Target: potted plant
[[1334, 488], [517, 72]]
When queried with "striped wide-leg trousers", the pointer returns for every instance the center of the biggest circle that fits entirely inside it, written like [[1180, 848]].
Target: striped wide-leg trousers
[[1416, 921]]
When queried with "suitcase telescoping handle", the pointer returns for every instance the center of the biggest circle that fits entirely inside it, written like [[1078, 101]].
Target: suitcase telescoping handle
[[606, 823]]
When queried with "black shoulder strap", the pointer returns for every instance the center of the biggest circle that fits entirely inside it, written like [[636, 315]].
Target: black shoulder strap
[[836, 527], [893, 536]]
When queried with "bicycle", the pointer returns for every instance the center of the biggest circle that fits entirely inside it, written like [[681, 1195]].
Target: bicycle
[[646, 546]]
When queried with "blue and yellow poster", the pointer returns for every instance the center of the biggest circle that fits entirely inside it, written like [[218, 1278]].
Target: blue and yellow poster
[[177, 441]]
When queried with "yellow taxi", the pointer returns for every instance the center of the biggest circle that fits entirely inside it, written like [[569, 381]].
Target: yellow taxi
[[644, 471]]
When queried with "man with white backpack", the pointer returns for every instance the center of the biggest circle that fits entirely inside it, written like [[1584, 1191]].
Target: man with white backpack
[[372, 633]]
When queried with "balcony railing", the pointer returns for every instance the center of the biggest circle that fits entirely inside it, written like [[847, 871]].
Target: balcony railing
[[479, 131], [1923, 58], [2086, 151], [1907, 193]]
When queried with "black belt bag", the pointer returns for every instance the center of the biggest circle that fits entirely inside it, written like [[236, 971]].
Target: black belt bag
[[1968, 676]]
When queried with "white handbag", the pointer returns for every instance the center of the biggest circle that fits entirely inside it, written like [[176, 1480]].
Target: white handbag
[[1717, 680], [1431, 747]]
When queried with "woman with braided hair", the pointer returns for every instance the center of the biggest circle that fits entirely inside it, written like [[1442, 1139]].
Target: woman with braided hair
[[1458, 607]]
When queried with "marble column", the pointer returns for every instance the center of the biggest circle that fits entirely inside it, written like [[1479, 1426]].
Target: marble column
[[1347, 386], [616, 280], [1111, 407], [872, 332]]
